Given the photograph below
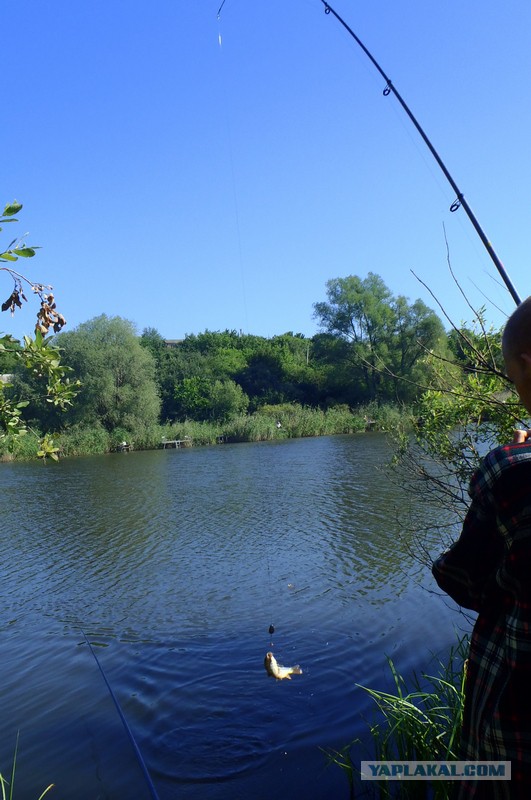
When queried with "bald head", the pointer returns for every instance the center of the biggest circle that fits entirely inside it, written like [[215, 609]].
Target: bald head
[[517, 334]]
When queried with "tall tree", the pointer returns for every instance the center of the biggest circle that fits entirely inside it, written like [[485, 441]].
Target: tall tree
[[117, 374], [388, 336]]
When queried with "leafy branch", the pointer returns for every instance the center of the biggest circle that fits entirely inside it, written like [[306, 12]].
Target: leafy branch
[[37, 355], [47, 315]]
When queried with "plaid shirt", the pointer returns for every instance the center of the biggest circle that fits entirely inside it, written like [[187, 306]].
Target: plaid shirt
[[488, 570]]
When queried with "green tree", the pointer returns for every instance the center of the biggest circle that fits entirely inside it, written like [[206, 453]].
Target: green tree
[[117, 374], [263, 379], [200, 398], [192, 398], [337, 381], [174, 365], [153, 341], [227, 400], [388, 337], [265, 370]]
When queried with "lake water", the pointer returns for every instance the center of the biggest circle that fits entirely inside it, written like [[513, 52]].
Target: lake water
[[174, 564]]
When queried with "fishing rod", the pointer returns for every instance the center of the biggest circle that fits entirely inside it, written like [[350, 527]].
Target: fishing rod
[[136, 748], [460, 199]]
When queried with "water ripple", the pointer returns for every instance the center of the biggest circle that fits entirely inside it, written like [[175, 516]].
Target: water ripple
[[174, 564]]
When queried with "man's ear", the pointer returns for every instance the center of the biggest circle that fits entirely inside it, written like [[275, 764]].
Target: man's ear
[[526, 358]]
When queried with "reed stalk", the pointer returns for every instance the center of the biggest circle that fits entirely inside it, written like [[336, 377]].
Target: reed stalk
[[8, 786], [421, 722]]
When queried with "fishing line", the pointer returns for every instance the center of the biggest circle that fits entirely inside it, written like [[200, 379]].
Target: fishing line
[[136, 748], [459, 197], [232, 170], [262, 501]]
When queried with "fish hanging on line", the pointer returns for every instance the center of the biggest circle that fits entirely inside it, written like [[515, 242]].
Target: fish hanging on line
[[276, 670]]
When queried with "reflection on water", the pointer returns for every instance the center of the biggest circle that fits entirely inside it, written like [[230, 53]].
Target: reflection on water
[[175, 563]]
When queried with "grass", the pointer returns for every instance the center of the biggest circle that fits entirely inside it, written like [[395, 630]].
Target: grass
[[19, 448], [284, 421], [421, 722], [8, 787]]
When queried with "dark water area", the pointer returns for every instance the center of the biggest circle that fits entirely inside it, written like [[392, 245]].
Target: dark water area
[[174, 564]]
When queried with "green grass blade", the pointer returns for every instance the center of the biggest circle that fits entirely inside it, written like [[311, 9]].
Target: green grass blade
[[46, 790], [13, 769]]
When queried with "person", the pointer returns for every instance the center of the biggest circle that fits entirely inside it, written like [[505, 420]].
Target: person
[[488, 570]]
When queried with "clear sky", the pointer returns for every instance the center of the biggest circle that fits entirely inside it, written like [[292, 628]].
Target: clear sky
[[186, 184]]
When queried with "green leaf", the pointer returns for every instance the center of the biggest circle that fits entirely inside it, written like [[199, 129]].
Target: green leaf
[[25, 252], [12, 208], [8, 256]]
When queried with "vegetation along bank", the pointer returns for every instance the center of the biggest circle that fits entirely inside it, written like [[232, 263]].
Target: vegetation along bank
[[366, 369]]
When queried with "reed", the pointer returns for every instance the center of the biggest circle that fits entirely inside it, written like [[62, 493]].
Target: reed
[[295, 421], [83, 441], [20, 448], [199, 433], [386, 417], [254, 428], [8, 786], [298, 421], [419, 723]]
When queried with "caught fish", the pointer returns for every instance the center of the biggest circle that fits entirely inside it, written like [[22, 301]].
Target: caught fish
[[276, 670]]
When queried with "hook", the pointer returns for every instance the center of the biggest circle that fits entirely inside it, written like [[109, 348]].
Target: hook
[[456, 204], [327, 9], [387, 90]]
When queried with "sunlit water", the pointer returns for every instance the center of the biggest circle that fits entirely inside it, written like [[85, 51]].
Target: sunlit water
[[174, 564]]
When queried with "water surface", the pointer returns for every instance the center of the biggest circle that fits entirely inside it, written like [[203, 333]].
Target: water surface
[[174, 564]]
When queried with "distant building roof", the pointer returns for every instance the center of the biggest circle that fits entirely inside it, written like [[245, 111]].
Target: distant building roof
[[173, 342]]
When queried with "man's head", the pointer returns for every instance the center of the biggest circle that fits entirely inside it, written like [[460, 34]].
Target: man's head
[[516, 344]]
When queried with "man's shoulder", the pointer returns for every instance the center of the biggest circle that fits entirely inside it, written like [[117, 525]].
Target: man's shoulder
[[506, 457]]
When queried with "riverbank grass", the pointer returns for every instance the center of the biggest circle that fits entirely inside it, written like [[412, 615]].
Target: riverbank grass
[[421, 722], [270, 422]]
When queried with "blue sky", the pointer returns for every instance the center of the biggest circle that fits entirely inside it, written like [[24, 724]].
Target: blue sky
[[185, 185]]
